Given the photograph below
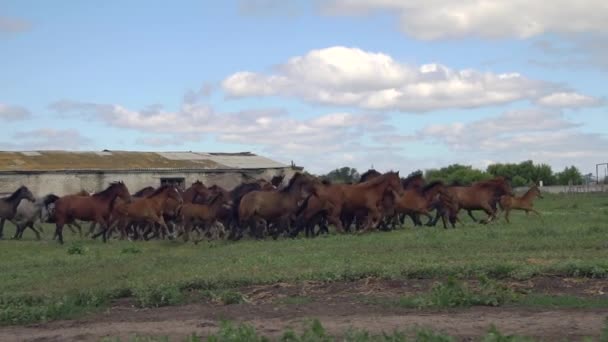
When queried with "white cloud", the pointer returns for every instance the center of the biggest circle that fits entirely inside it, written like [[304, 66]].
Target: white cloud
[[13, 113], [319, 143], [46, 139], [13, 25], [352, 77], [440, 19], [543, 136], [568, 99]]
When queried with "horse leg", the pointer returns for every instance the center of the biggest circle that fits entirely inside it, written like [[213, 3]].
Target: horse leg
[[30, 224], [2, 228], [92, 228], [187, 230], [59, 232], [538, 214], [491, 214], [79, 227], [507, 212], [470, 212]]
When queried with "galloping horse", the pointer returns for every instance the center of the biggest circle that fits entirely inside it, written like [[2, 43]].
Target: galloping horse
[[8, 205], [147, 210], [205, 214], [482, 195], [418, 201], [28, 213], [340, 200], [525, 202], [96, 208], [258, 208]]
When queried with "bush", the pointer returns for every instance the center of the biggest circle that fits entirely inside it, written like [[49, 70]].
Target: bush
[[230, 333], [150, 296], [77, 249]]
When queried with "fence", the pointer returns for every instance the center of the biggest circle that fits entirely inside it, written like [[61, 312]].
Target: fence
[[568, 189]]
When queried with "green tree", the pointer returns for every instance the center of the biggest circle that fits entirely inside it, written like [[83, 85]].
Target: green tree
[[464, 174], [569, 174], [524, 173], [343, 175]]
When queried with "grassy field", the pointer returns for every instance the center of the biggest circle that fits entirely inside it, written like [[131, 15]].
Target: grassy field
[[43, 280]]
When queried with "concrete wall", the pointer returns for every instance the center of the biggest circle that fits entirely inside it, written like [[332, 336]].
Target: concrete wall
[[68, 183]]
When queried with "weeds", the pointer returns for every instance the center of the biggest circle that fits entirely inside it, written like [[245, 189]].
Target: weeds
[[153, 296]]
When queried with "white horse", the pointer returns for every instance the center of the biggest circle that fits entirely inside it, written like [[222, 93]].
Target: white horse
[[29, 213]]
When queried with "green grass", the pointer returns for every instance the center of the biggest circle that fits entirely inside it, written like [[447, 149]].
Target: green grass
[[315, 332], [572, 241]]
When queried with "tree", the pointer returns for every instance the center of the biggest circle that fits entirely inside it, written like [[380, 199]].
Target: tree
[[524, 173], [570, 174], [464, 174], [343, 175]]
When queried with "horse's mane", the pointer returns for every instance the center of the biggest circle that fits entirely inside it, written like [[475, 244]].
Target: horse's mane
[[14, 195], [430, 186], [140, 192], [109, 188], [215, 198], [379, 179], [406, 181], [369, 173], [277, 180], [50, 198], [326, 182], [242, 189], [292, 182], [159, 190]]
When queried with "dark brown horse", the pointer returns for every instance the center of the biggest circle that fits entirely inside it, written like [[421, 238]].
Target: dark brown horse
[[95, 208], [419, 201], [147, 210], [8, 205], [482, 195], [257, 209], [232, 221], [193, 214], [349, 200]]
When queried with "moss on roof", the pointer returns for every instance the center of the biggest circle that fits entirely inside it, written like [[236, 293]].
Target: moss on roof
[[115, 160]]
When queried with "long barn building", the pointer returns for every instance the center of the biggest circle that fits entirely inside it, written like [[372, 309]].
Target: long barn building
[[66, 172]]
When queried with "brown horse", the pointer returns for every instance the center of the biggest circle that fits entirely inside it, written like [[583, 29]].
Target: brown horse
[[525, 202], [257, 209], [96, 208], [419, 201], [139, 194], [482, 195], [8, 205], [206, 214], [349, 200], [147, 210]]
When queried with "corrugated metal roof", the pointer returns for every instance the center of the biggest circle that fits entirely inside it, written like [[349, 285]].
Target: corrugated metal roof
[[129, 160]]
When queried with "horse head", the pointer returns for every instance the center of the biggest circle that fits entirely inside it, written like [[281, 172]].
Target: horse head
[[23, 193], [120, 190], [173, 193], [394, 182]]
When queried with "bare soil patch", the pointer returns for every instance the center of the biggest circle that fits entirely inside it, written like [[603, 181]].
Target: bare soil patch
[[339, 307]]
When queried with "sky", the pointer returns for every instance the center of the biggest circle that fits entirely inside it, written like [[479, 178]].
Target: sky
[[394, 85]]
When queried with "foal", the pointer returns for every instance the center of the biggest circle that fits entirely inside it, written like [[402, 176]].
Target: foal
[[525, 202]]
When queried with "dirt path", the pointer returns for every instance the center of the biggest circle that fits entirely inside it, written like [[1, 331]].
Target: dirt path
[[339, 306]]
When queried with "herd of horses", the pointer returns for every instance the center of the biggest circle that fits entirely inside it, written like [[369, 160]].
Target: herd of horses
[[262, 208]]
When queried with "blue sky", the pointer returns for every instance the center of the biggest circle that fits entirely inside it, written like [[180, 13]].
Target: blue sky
[[394, 84]]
